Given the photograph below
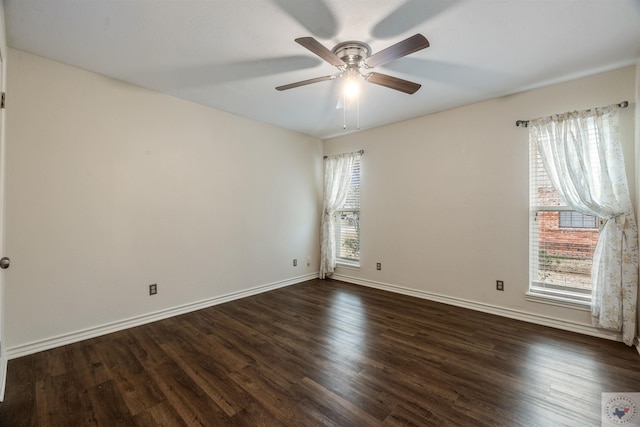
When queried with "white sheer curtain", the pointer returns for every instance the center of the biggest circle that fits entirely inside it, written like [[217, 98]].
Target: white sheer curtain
[[337, 177], [582, 154]]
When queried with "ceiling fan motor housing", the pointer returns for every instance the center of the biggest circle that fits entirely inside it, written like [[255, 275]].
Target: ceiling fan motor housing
[[353, 53]]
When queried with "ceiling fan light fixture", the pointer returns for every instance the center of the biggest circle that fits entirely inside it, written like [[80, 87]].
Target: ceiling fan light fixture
[[352, 84], [351, 88]]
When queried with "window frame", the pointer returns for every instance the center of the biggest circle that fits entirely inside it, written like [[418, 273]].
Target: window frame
[[538, 290]]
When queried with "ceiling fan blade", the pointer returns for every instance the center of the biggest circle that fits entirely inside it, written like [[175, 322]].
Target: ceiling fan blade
[[316, 47], [305, 82], [398, 50], [314, 15], [393, 83], [409, 15]]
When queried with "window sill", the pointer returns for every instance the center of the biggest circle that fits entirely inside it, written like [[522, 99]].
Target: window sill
[[557, 300], [352, 265]]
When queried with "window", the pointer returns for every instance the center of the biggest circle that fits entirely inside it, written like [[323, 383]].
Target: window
[[573, 219], [562, 242], [348, 222]]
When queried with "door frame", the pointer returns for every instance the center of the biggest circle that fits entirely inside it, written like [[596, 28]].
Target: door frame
[[3, 77]]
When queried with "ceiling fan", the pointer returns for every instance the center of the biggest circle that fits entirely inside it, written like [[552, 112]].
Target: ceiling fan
[[353, 59]]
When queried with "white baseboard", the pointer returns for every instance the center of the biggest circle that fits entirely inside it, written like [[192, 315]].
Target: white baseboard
[[552, 322], [83, 334]]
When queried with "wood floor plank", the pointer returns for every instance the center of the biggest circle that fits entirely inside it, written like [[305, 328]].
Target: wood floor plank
[[323, 353], [119, 355], [187, 398], [86, 364], [406, 416], [276, 401], [61, 401], [107, 407], [254, 415], [52, 363], [139, 392], [161, 415], [335, 409], [205, 371], [22, 394], [145, 346]]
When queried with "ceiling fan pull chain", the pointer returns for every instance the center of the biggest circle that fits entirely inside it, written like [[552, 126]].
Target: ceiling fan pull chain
[[344, 112], [357, 113]]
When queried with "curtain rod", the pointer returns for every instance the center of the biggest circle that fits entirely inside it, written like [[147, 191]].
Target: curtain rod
[[361, 152], [525, 123]]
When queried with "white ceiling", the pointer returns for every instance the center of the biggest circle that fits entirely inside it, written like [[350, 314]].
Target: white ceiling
[[231, 54]]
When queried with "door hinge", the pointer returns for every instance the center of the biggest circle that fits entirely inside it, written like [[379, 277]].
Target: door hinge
[[2, 97]]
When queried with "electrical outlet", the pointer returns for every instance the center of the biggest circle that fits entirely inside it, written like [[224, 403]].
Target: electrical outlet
[[153, 289], [295, 262], [499, 285], [378, 266]]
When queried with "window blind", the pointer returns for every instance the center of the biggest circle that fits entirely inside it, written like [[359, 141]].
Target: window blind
[[562, 241], [348, 220]]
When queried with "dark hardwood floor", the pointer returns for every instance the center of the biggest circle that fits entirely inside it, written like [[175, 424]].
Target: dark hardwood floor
[[323, 353]]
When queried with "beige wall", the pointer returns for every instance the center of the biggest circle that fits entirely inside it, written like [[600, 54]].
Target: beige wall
[[445, 196], [111, 187]]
